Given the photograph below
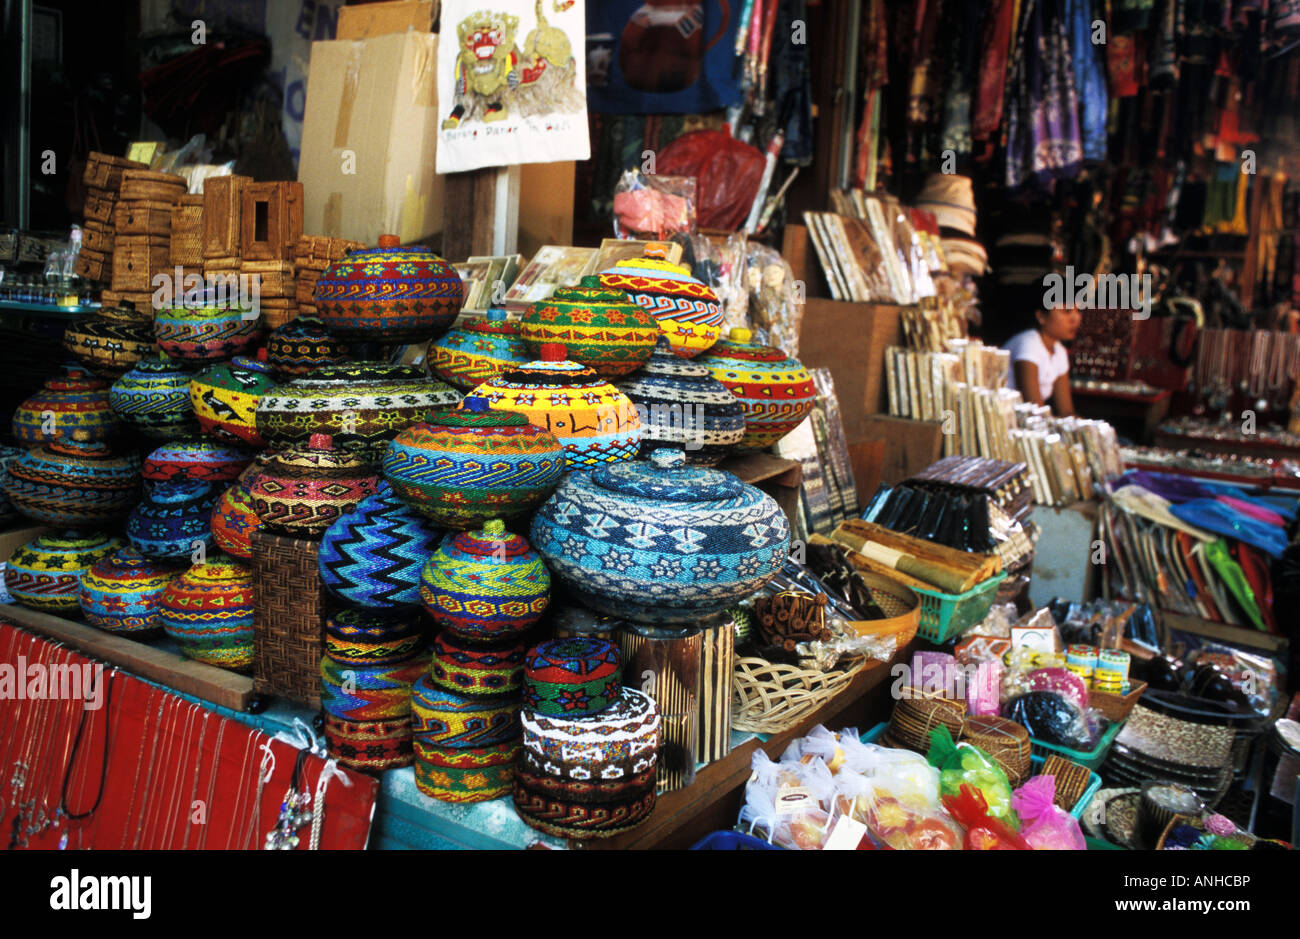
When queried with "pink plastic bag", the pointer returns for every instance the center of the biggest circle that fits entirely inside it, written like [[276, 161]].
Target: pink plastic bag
[[1043, 823]]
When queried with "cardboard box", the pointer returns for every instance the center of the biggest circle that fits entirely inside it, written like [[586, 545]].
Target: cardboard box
[[378, 19], [369, 137]]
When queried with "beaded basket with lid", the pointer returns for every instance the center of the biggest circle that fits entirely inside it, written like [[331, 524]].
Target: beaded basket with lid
[[686, 309], [776, 390], [225, 399], [73, 484], [74, 406], [478, 351], [154, 398], [303, 490], [112, 340], [598, 326]]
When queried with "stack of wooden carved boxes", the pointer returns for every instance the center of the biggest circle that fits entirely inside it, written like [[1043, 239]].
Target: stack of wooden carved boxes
[[103, 179], [142, 224]]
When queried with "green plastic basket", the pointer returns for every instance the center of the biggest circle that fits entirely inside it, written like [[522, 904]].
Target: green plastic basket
[[944, 615], [1091, 758]]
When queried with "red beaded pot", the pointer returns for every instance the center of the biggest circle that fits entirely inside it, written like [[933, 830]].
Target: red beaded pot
[[74, 407], [777, 392], [389, 294], [208, 611], [599, 327], [233, 517], [477, 668], [302, 491], [203, 460]]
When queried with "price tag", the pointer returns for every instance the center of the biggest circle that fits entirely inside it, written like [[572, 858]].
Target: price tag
[[846, 835]]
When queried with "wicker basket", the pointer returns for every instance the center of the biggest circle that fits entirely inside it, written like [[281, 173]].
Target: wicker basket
[[150, 186], [771, 697], [187, 232], [100, 206], [288, 618], [900, 604], [143, 218], [1116, 707]]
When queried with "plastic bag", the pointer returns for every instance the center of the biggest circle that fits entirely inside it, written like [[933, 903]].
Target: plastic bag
[[968, 765], [1052, 718], [984, 832], [893, 822], [653, 207], [1062, 681], [820, 743], [728, 174], [787, 802], [905, 775], [1043, 823], [773, 308]]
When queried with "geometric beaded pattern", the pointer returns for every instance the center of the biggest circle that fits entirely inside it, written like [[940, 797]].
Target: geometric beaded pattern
[[154, 398], [203, 460], [369, 745], [389, 294], [45, 574], [208, 611], [78, 406], [476, 669], [598, 327], [576, 820], [445, 774], [477, 352], [71, 484], [205, 335], [687, 310], [225, 399], [450, 719], [123, 593], [485, 585], [370, 692], [776, 390], [625, 731], [171, 518], [572, 677]]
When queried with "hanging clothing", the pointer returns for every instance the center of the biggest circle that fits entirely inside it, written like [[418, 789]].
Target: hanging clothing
[[995, 46], [1089, 79], [962, 51], [792, 86], [1043, 138]]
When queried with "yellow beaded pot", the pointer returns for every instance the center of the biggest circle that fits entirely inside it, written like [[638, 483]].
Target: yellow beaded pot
[[686, 309]]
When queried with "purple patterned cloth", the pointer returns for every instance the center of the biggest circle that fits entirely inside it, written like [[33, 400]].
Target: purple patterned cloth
[[1044, 142]]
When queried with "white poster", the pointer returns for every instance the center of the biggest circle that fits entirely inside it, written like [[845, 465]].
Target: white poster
[[512, 83]]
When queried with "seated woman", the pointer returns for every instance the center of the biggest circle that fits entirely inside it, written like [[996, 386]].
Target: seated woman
[[1040, 366]]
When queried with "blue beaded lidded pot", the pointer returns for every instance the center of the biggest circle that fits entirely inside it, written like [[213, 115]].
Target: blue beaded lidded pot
[[123, 593], [660, 542], [154, 398], [372, 557], [478, 351], [73, 485], [173, 520]]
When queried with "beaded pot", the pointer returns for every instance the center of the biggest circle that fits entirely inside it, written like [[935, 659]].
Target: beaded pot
[[683, 406], [74, 485], [302, 491], [173, 520], [467, 774], [233, 518], [208, 612], [45, 574], [776, 391], [660, 542], [468, 465], [123, 593], [486, 585], [154, 398], [207, 334], [446, 718], [363, 637], [301, 346], [686, 309], [8, 513], [111, 341], [599, 327], [389, 294], [372, 557], [203, 460], [478, 351], [572, 677], [477, 668], [362, 405], [370, 692], [74, 406], [225, 399], [593, 420], [369, 746]]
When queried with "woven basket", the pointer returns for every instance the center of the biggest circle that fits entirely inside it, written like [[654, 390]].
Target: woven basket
[[288, 618], [187, 232], [93, 265], [143, 218], [96, 236], [916, 714], [1005, 741], [772, 697], [1116, 707], [100, 206], [149, 186], [1072, 780]]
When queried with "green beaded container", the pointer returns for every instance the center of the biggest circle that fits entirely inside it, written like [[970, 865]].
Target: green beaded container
[[599, 327]]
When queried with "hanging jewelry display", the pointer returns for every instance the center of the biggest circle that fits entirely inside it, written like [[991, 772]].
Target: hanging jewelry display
[[294, 811]]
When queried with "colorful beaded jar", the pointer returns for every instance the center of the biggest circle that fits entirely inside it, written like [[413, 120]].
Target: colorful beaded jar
[[123, 593], [173, 520], [206, 334], [362, 637], [203, 460], [372, 557], [301, 346], [474, 774], [448, 719], [487, 585], [471, 464], [233, 517], [154, 398], [686, 309], [8, 513], [74, 406], [777, 391], [73, 485], [565, 807], [478, 351], [599, 327], [302, 491], [225, 399], [593, 420], [369, 746], [572, 677], [660, 542], [370, 692], [389, 294], [683, 406], [362, 405], [45, 574], [208, 612], [112, 340], [476, 668]]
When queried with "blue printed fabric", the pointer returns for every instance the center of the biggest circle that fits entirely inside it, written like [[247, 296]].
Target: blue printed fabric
[[1222, 520]]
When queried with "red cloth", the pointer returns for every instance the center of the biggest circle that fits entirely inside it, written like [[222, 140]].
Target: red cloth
[[987, 121], [727, 175]]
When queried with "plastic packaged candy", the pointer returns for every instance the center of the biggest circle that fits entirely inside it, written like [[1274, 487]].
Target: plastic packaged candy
[[893, 821], [983, 832], [1043, 824], [966, 765], [787, 802], [902, 774], [1051, 718]]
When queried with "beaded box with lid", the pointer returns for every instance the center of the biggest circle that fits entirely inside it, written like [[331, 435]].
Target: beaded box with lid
[[476, 668], [204, 460], [478, 351], [206, 334], [154, 398], [445, 718], [370, 746], [390, 294], [208, 612], [659, 541], [70, 484], [683, 406], [45, 574], [473, 774], [233, 517], [122, 593], [362, 405], [599, 327], [686, 309], [573, 677], [372, 557], [776, 391], [225, 398], [173, 519], [487, 585], [365, 637], [301, 346], [110, 341], [465, 466], [593, 420], [303, 490], [370, 692], [74, 406]]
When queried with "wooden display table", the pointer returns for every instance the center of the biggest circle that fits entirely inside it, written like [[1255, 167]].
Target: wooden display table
[[778, 477]]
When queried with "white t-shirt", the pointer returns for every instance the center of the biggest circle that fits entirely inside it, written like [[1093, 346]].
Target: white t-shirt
[[1028, 347]]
